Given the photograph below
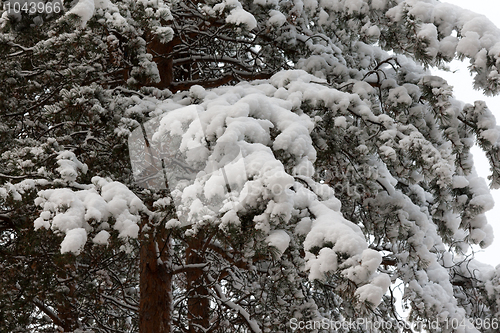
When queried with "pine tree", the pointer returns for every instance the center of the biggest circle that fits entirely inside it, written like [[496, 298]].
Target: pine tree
[[244, 166]]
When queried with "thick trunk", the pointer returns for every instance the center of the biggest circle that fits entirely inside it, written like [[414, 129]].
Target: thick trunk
[[67, 318], [198, 302], [163, 62], [155, 307]]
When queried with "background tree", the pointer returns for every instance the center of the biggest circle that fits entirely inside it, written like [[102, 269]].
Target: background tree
[[358, 176]]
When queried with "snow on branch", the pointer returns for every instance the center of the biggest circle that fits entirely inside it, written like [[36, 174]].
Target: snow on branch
[[75, 214]]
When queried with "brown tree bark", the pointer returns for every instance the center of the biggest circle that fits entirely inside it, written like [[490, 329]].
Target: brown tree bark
[[66, 316], [198, 300], [161, 55], [155, 305]]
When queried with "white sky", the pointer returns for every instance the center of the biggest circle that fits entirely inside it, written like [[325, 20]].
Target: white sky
[[462, 82]]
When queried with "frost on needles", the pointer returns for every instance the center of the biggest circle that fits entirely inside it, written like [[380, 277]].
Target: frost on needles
[[320, 170]]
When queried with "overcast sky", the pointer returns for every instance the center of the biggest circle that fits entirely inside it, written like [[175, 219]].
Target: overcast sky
[[462, 83]]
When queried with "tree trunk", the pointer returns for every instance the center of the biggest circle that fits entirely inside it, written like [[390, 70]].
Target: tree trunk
[[155, 306], [198, 302], [67, 318]]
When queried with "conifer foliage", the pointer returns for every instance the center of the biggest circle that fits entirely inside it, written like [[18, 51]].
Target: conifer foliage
[[244, 166]]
